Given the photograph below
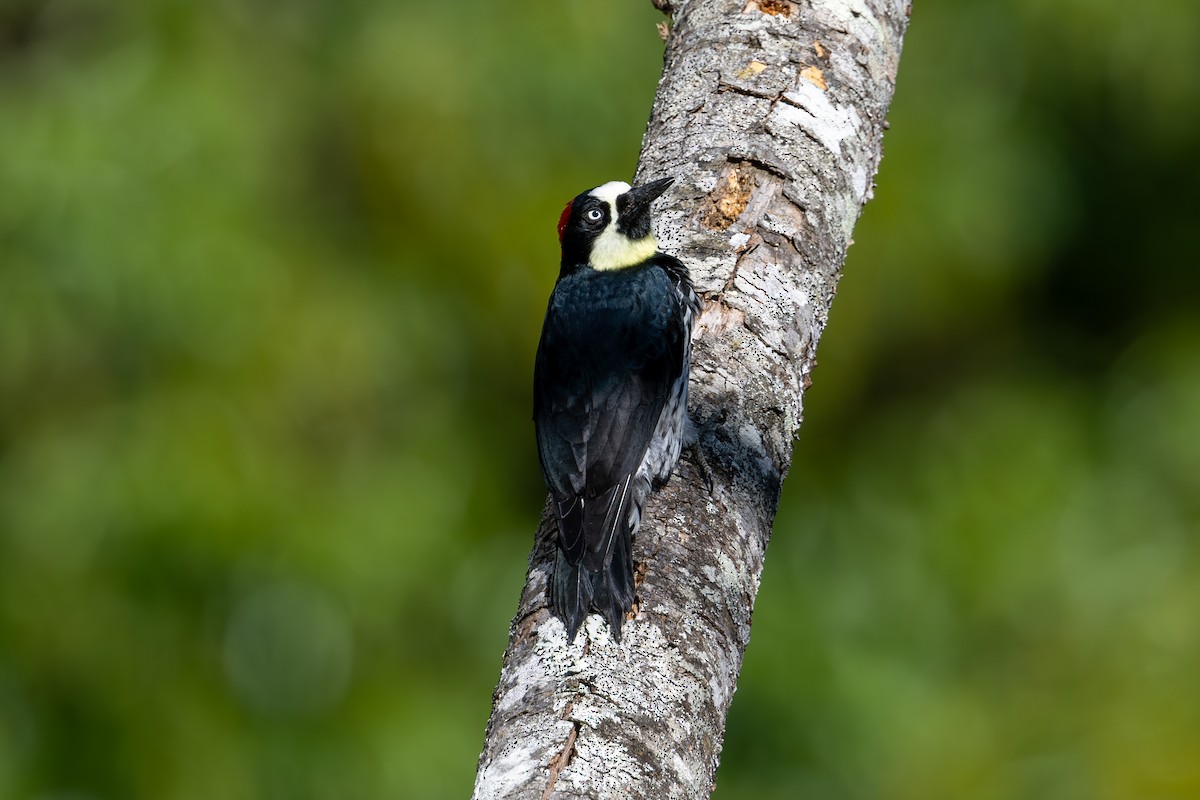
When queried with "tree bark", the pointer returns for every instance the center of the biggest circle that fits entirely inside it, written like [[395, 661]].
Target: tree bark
[[769, 115]]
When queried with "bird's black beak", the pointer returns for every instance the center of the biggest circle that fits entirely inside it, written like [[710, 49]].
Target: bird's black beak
[[633, 208]]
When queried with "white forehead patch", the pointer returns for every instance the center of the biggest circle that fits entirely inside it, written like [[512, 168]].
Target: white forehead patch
[[610, 191]]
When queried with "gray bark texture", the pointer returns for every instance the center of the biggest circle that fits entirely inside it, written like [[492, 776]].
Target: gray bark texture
[[769, 115]]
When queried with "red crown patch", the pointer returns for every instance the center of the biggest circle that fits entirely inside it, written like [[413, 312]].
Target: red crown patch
[[562, 220]]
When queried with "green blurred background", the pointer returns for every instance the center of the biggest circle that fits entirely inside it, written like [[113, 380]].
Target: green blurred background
[[271, 277]]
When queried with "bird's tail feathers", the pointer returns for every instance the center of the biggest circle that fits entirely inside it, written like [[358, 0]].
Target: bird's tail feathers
[[572, 593], [613, 584], [602, 577]]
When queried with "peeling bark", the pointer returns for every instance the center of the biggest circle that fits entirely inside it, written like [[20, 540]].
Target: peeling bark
[[769, 115]]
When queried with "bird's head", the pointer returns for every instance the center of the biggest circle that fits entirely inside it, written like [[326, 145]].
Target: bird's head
[[609, 227]]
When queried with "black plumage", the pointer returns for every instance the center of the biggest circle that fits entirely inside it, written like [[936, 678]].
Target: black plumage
[[610, 395]]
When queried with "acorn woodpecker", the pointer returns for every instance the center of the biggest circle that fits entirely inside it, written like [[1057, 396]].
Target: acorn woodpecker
[[610, 391]]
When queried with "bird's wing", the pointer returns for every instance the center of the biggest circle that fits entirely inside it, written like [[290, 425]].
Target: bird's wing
[[599, 389]]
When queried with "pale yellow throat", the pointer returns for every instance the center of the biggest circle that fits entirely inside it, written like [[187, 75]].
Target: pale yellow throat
[[615, 250]]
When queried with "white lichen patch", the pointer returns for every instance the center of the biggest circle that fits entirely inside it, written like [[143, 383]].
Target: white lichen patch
[[842, 11], [610, 769], [725, 576], [811, 110], [514, 766], [859, 180], [684, 770], [592, 714]]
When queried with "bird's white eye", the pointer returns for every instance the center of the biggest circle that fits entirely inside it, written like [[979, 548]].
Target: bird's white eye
[[594, 215]]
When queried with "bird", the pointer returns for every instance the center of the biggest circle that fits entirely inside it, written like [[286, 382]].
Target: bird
[[610, 389]]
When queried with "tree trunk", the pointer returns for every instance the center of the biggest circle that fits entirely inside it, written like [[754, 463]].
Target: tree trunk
[[769, 116]]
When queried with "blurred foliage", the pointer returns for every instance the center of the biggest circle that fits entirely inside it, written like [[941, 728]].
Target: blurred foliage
[[271, 276]]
